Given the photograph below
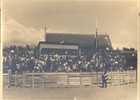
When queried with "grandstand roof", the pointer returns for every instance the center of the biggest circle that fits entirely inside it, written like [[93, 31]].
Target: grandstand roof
[[83, 40]]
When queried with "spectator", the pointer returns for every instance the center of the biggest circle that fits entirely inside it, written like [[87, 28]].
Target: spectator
[[23, 59], [13, 65], [48, 64], [31, 65], [104, 80]]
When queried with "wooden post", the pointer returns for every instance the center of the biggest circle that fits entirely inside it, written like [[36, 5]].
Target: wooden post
[[16, 78], [111, 78], [33, 79], [80, 79], [92, 78], [123, 76], [135, 76], [68, 79], [131, 76], [128, 77], [23, 79], [97, 78], [118, 77], [56, 79], [43, 79], [9, 78]]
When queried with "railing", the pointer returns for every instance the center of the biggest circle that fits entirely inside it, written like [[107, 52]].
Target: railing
[[69, 79]]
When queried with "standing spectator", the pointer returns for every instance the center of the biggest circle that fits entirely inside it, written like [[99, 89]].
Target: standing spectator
[[13, 64], [48, 64], [104, 79], [31, 65]]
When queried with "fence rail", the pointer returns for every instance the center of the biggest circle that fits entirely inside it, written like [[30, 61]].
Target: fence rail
[[69, 79]]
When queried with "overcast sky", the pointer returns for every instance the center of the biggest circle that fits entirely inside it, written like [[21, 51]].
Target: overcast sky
[[24, 20]]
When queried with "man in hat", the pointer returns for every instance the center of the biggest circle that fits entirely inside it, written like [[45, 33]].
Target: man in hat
[[104, 79]]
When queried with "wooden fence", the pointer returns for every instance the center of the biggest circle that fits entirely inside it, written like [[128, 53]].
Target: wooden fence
[[69, 79]]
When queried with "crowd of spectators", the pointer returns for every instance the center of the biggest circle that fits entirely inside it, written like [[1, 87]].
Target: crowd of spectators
[[27, 59]]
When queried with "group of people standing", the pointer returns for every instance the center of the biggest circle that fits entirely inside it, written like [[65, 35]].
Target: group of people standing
[[26, 59]]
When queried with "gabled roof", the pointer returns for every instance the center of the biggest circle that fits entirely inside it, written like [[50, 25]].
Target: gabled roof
[[83, 40]]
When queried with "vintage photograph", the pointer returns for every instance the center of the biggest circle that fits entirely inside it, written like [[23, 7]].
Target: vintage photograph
[[69, 50]]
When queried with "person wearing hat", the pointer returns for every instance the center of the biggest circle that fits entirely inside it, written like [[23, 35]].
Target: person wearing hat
[[104, 79]]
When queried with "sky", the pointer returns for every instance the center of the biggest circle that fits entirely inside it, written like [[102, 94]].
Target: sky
[[24, 21]]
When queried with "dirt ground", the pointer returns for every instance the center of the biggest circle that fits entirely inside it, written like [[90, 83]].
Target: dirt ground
[[127, 92]]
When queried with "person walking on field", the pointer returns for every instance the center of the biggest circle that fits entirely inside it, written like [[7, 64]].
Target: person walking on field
[[104, 79]]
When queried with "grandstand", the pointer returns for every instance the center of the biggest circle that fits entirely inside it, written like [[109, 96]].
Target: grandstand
[[77, 43]]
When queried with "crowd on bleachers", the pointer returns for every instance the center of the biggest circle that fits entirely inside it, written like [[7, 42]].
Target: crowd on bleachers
[[27, 59]]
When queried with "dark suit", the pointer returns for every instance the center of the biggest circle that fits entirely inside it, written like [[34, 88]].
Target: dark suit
[[104, 80]]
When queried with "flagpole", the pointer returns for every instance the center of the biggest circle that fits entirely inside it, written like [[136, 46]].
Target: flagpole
[[96, 46], [96, 34], [45, 32]]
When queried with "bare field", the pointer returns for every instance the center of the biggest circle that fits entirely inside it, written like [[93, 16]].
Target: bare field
[[127, 92]]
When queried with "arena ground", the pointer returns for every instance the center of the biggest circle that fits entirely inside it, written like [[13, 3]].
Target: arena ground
[[127, 92]]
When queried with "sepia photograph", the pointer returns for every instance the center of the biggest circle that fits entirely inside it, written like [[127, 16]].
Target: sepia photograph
[[70, 50]]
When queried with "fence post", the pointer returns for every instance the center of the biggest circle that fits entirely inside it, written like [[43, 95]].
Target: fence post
[[123, 77], [136, 76], [56, 79], [92, 78], [33, 79], [97, 78], [23, 79], [111, 78], [131, 76], [128, 76], [118, 77], [80, 79], [9, 78], [43, 79], [68, 79], [16, 78]]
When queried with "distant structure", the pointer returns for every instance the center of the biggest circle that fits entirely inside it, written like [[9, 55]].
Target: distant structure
[[67, 43]]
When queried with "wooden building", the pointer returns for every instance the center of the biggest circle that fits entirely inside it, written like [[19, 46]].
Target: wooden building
[[73, 43]]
